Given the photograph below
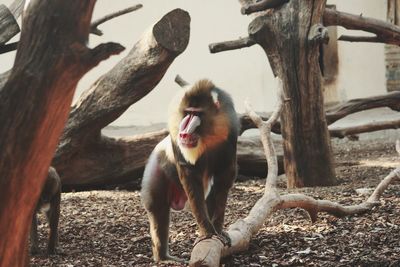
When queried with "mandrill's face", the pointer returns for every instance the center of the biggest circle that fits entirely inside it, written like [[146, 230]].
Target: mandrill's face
[[188, 136]]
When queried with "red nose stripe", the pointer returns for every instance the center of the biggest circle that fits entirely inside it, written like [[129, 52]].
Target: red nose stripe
[[185, 122]]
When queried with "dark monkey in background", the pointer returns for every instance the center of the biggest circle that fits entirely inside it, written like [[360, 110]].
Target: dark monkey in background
[[196, 162], [49, 202]]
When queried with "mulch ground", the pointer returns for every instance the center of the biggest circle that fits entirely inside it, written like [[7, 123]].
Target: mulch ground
[[110, 228]]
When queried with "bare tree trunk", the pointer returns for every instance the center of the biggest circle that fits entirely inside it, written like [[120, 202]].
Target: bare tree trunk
[[35, 103], [291, 37]]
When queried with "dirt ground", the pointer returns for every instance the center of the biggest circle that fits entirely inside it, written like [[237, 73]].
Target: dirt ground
[[110, 228]]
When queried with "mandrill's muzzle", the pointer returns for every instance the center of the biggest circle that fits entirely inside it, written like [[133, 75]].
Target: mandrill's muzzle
[[187, 136]]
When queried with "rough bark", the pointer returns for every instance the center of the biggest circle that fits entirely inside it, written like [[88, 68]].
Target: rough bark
[[84, 155], [8, 25], [293, 55], [35, 103]]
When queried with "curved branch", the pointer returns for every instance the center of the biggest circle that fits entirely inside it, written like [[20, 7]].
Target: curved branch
[[231, 45], [266, 139]]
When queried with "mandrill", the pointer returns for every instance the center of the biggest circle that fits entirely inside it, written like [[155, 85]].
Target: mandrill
[[49, 202], [195, 163]]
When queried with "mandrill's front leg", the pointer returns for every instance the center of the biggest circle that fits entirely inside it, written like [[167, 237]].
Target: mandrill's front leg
[[217, 199], [191, 178]]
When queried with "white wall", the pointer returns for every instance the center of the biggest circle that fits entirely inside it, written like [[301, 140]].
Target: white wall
[[244, 73], [361, 65]]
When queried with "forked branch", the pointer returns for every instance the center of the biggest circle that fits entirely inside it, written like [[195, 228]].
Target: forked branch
[[385, 32], [209, 251]]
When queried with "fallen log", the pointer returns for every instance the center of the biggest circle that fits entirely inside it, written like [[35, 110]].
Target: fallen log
[[93, 169]]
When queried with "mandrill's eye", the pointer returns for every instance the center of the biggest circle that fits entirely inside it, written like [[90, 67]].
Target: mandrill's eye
[[194, 111]]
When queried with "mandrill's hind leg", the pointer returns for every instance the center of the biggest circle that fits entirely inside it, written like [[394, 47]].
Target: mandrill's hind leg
[[154, 196]]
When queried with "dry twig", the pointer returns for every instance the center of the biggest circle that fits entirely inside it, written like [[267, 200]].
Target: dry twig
[[96, 23]]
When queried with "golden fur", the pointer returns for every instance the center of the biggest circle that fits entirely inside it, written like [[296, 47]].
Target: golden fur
[[219, 123]]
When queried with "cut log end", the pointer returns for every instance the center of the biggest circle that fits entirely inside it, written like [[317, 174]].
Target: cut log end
[[256, 26], [173, 31]]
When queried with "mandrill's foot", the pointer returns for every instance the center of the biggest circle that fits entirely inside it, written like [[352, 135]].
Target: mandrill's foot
[[226, 240], [168, 259], [223, 237]]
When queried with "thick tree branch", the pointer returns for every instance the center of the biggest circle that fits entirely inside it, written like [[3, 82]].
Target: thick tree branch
[[366, 39], [96, 23], [387, 32], [8, 47], [341, 132], [231, 45], [8, 25], [261, 6]]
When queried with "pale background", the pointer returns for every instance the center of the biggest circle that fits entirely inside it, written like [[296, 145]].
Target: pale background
[[244, 73]]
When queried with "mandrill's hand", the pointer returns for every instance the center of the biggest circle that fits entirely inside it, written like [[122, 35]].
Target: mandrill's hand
[[223, 237]]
